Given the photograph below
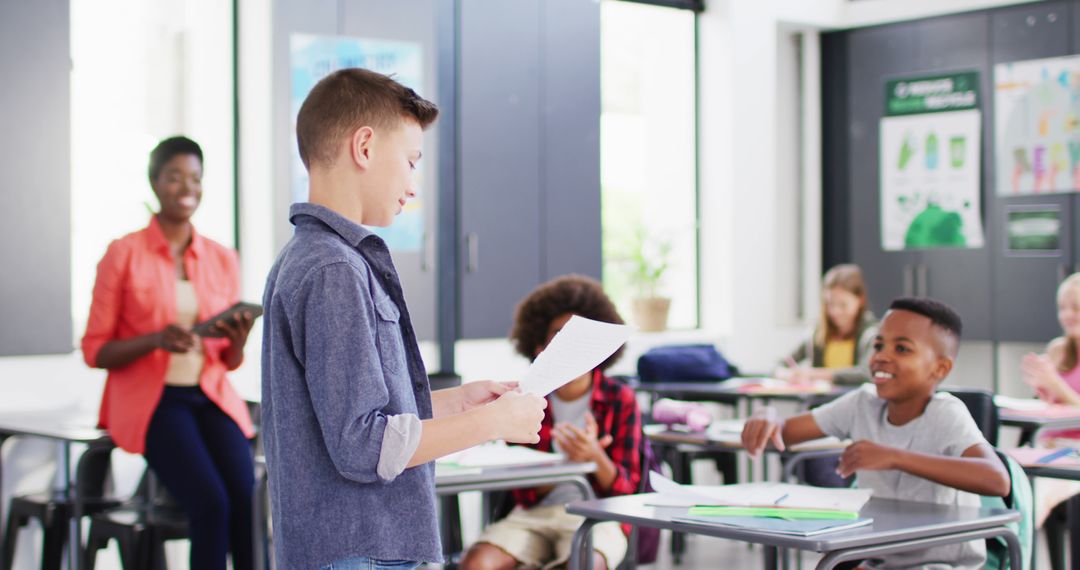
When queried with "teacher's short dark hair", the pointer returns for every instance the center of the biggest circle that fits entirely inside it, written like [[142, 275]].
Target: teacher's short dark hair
[[167, 149]]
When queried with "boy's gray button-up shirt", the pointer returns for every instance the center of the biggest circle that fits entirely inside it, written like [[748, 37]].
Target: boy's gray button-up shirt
[[344, 389]]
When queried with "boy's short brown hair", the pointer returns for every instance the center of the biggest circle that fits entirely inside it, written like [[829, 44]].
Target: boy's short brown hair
[[348, 99]]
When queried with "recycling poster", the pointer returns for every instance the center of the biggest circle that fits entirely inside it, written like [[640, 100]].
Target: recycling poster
[[929, 163]]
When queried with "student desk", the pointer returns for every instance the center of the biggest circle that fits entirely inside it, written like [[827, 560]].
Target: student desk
[[736, 392], [1069, 472], [791, 458], [898, 526], [446, 485], [56, 425], [670, 440], [1032, 424]]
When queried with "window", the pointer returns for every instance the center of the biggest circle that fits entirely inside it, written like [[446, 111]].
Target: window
[[648, 155], [144, 70]]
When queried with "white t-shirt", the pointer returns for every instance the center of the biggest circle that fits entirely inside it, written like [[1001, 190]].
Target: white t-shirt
[[945, 428], [572, 412]]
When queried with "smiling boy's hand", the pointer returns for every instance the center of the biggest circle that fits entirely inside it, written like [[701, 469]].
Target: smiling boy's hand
[[865, 455]]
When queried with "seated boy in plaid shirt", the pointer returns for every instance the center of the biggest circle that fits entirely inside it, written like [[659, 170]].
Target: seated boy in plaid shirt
[[592, 418]]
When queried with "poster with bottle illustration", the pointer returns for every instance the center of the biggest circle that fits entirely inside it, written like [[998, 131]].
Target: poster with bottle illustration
[[314, 57], [929, 163], [1037, 126]]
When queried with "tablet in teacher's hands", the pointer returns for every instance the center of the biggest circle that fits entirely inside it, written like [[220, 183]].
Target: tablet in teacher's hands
[[207, 328]]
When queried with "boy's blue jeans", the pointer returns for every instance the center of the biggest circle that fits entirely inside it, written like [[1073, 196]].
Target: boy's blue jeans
[[365, 563]]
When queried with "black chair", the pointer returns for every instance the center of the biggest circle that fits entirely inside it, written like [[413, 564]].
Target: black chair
[[984, 411], [54, 509], [140, 528]]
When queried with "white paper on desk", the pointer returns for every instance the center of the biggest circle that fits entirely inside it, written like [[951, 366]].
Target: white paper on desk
[[672, 494], [1020, 404], [580, 346], [499, 454]]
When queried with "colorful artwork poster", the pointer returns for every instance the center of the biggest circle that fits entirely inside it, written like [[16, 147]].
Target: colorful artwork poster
[[1037, 125], [930, 181], [314, 57]]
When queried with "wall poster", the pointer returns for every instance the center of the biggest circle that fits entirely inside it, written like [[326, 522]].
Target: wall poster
[[929, 163], [1037, 125], [314, 57]]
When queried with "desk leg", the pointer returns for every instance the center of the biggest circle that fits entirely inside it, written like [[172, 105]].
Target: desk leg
[[1072, 518], [834, 558], [771, 556], [581, 547], [3, 438], [261, 534], [450, 524], [75, 530]]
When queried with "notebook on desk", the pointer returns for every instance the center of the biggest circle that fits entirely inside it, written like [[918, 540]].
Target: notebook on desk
[[779, 526], [670, 493]]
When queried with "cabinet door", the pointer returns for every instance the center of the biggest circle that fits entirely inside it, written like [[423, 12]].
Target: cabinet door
[[960, 277], [1025, 282], [499, 129], [35, 157], [570, 119], [875, 54], [413, 22]]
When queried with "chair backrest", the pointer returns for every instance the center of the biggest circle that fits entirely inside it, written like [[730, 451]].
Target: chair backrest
[[980, 403], [92, 470], [1019, 499]]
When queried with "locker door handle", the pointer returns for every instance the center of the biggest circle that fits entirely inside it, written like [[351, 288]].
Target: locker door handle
[[920, 278], [909, 280], [472, 246], [427, 254], [1063, 272]]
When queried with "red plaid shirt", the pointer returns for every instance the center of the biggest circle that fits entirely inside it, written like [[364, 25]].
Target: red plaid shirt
[[615, 408]]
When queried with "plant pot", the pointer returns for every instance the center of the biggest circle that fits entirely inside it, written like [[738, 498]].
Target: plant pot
[[651, 313]]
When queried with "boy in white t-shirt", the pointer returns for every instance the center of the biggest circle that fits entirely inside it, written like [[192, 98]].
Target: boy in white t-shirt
[[910, 441]]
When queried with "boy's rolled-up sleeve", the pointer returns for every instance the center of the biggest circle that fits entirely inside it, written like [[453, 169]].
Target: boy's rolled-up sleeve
[[345, 378]]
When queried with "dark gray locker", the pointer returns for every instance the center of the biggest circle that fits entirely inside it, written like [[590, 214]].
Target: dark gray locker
[[413, 21], [875, 54], [290, 17], [499, 169], [960, 277], [1025, 284], [1030, 31], [571, 138], [35, 157]]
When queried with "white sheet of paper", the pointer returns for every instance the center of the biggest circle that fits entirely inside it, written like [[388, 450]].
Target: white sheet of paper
[[499, 454], [579, 347], [672, 494], [1020, 404]]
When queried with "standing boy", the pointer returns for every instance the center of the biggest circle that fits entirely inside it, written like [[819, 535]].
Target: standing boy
[[350, 423], [911, 442]]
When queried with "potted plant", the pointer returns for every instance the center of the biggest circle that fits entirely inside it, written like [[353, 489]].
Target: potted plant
[[649, 260]]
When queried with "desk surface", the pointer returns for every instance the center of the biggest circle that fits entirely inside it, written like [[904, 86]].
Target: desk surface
[[1037, 420], [733, 441], [56, 425], [731, 391], [1053, 472], [490, 475], [893, 521]]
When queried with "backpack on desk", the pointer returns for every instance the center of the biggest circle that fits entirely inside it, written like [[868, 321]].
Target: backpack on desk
[[684, 362]]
